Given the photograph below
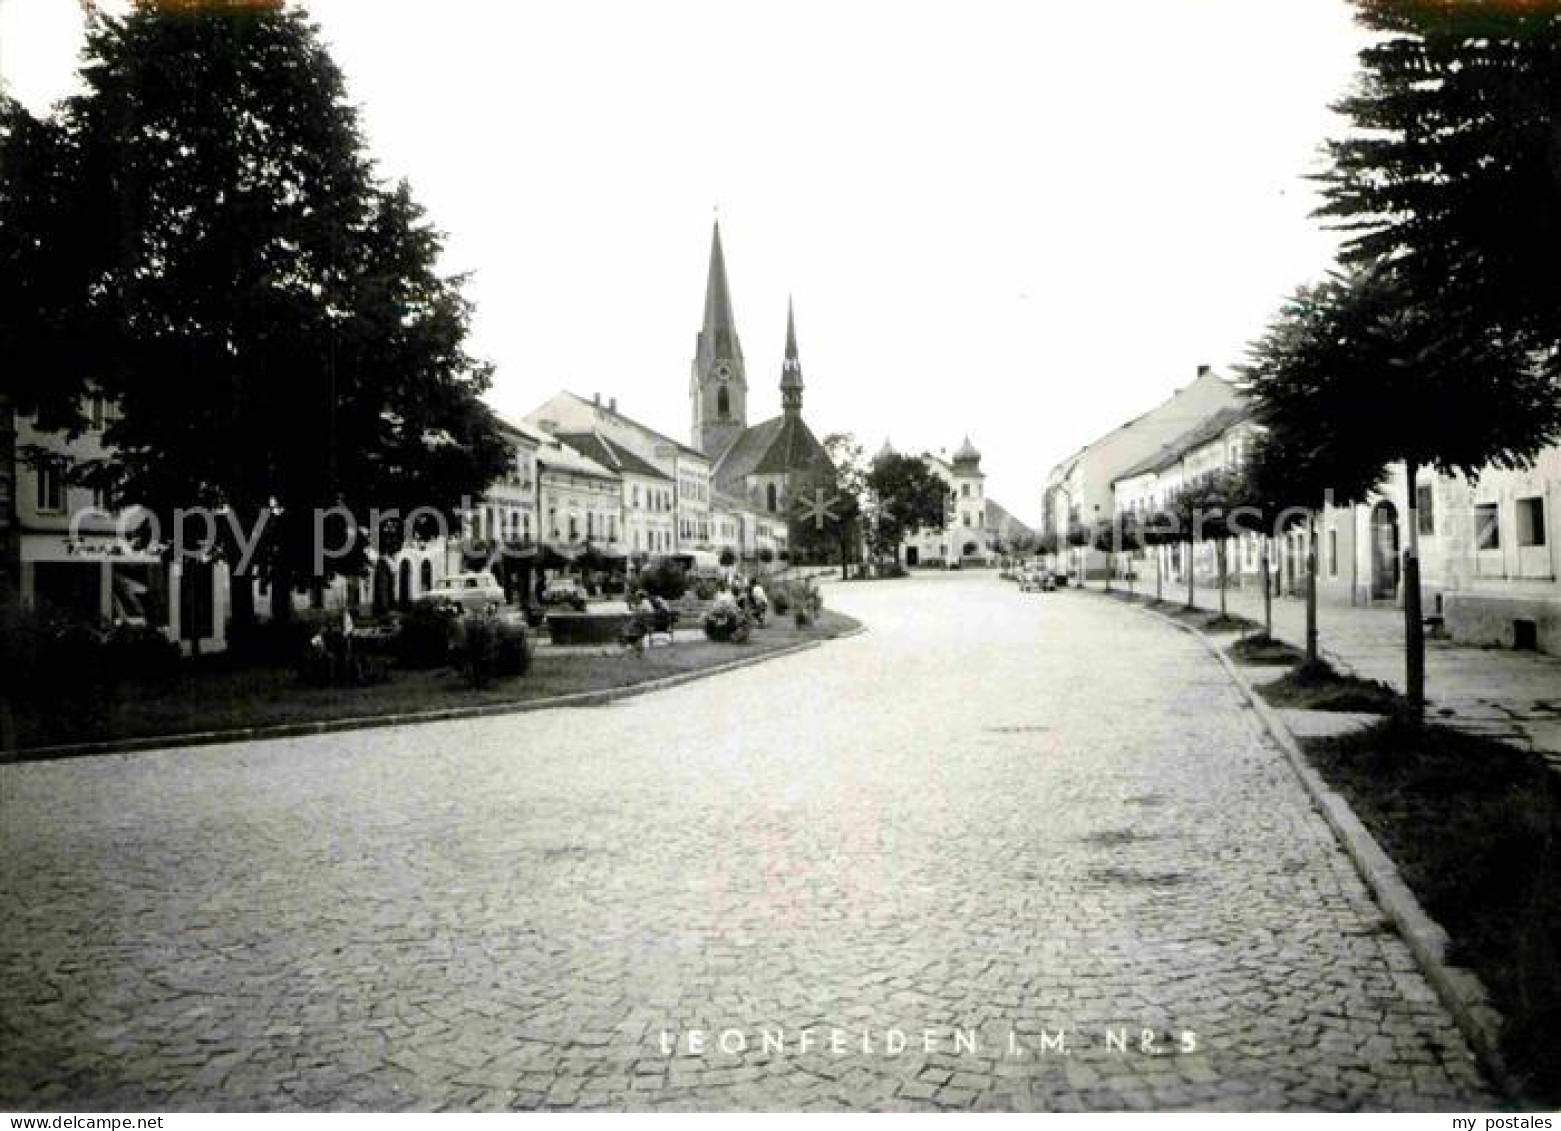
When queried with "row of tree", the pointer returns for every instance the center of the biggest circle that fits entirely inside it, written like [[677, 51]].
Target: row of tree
[[1436, 343]]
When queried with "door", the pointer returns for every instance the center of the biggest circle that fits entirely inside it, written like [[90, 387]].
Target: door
[[1384, 551]]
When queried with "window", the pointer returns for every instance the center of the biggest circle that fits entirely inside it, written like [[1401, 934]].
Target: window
[[1333, 552], [95, 413], [1425, 509], [1531, 522], [769, 495], [964, 489], [723, 403], [51, 489], [1487, 527]]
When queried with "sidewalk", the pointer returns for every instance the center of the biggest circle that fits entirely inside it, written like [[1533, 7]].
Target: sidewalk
[[1512, 696]]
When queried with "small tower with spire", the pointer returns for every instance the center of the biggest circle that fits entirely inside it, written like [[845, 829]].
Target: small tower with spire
[[718, 390], [791, 369]]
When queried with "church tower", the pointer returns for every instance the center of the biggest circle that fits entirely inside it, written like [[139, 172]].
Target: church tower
[[719, 387], [791, 369]]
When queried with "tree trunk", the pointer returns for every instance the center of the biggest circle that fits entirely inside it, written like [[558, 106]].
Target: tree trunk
[[1268, 593], [1219, 561], [1311, 587], [281, 596], [1159, 574], [1192, 585], [241, 603], [1414, 625]]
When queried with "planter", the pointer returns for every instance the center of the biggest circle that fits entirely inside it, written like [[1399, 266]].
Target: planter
[[586, 628]]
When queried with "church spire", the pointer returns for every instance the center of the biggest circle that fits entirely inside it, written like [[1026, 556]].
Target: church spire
[[791, 368], [718, 392], [718, 336]]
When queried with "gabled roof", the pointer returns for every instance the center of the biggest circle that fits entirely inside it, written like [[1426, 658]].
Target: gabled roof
[[647, 429], [562, 457], [779, 445], [999, 516], [599, 448], [1201, 433]]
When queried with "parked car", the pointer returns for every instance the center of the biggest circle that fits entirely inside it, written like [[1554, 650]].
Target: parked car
[[564, 591], [470, 590], [1035, 579]]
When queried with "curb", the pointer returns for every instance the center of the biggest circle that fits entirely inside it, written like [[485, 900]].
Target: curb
[[366, 722], [1460, 990]]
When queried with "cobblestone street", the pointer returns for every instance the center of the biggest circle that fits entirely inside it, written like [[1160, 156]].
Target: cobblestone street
[[994, 816]]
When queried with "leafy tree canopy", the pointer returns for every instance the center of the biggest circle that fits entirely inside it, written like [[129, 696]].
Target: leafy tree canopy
[[908, 496], [267, 314], [1453, 169]]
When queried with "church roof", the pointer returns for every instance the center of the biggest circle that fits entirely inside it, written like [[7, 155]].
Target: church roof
[[778, 445], [967, 453], [608, 454]]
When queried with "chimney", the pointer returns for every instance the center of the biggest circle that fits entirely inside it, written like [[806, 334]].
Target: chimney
[[596, 398], [1203, 371], [612, 404]]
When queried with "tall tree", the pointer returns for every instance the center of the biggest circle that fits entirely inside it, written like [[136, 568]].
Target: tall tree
[[828, 512], [1454, 168], [267, 314], [907, 496], [1449, 187]]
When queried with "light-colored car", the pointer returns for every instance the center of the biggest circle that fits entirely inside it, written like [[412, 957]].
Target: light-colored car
[[1035, 579], [470, 590]]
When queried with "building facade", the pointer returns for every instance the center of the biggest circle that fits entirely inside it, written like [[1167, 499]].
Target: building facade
[[1080, 490], [72, 550]]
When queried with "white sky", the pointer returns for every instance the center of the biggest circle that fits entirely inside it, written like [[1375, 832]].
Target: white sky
[[1027, 221]]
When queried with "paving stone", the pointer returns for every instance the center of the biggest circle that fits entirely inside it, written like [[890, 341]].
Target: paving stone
[[984, 815]]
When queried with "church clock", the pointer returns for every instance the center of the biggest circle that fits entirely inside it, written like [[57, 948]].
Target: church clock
[[723, 371]]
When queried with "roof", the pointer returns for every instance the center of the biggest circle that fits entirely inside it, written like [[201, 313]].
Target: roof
[[1202, 433], [595, 446], [1206, 376], [1000, 516], [562, 457], [647, 429], [779, 445], [967, 453], [522, 430]]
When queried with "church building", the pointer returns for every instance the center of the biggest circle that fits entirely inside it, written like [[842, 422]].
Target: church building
[[764, 465]]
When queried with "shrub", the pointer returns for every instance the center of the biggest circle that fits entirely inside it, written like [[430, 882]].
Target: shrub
[[893, 569], [55, 652], [141, 651], [491, 644], [704, 590], [728, 558], [780, 600], [724, 623], [426, 633], [665, 579], [766, 555]]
